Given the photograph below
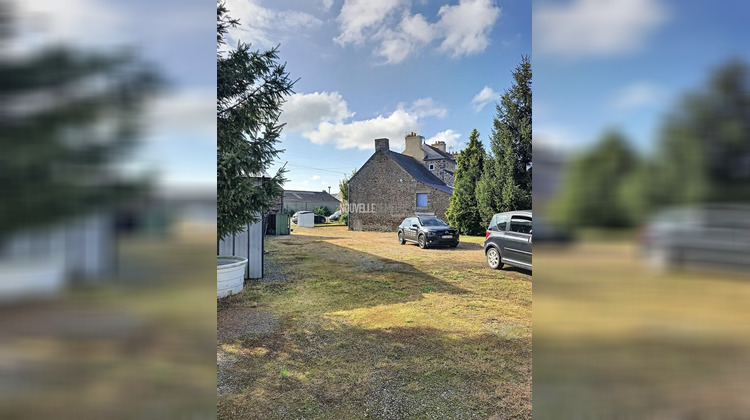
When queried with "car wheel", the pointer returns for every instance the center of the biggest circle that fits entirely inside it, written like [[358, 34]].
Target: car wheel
[[493, 259], [401, 238], [422, 242]]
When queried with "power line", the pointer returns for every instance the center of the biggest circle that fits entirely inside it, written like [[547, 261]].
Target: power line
[[316, 169]]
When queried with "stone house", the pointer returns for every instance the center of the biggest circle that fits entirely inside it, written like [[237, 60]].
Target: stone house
[[391, 186], [433, 157]]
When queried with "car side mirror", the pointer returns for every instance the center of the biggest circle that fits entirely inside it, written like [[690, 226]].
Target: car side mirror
[[414, 225]]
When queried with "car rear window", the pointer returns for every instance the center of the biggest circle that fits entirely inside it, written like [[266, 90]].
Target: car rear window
[[498, 223], [520, 224]]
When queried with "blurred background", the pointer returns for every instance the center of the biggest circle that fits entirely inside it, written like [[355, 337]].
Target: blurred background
[[108, 209], [642, 174]]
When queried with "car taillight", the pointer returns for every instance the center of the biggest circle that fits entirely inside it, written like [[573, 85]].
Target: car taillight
[[487, 235]]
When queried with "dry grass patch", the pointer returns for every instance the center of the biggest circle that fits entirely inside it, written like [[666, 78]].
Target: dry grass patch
[[368, 328], [612, 336]]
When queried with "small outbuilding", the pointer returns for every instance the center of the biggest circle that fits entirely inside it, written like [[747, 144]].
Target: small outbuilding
[[306, 219]]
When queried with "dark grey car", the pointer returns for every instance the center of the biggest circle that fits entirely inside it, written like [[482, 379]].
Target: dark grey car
[[714, 235], [508, 240], [426, 231]]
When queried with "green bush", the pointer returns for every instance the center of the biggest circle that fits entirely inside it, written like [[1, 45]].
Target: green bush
[[323, 211], [344, 218]]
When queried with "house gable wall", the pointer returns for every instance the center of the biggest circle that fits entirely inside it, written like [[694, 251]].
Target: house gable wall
[[382, 194], [438, 169]]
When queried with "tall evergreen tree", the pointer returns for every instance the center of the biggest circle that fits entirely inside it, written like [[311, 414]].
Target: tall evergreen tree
[[703, 150], [597, 185], [67, 118], [463, 212], [506, 180], [250, 89]]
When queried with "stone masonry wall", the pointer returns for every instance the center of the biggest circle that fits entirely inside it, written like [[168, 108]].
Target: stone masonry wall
[[382, 194], [439, 165]]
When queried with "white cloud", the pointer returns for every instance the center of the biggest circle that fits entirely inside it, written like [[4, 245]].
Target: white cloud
[[426, 107], [361, 134], [256, 22], [485, 96], [303, 112], [412, 33], [463, 28], [360, 16], [325, 118], [466, 26], [315, 177], [327, 4], [79, 21], [554, 138], [185, 112], [636, 95], [450, 138], [595, 27]]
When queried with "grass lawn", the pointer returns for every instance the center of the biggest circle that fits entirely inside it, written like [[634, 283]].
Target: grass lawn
[[354, 325], [613, 339]]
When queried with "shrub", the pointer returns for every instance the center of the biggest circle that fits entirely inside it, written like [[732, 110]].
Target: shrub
[[344, 218], [323, 211]]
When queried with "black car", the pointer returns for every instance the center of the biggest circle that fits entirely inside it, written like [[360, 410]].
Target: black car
[[508, 240], [426, 231]]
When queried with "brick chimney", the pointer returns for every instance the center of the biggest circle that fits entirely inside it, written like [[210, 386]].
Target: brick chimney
[[414, 146], [440, 145], [382, 144]]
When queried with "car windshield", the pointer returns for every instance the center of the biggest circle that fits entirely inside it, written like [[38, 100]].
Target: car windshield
[[432, 221]]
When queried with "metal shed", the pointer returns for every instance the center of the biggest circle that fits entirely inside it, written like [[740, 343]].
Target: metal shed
[[248, 244]]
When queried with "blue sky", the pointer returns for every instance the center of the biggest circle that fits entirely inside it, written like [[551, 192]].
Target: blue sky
[[371, 69], [625, 63]]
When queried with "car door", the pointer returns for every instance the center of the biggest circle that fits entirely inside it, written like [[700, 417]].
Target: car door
[[518, 240], [413, 231]]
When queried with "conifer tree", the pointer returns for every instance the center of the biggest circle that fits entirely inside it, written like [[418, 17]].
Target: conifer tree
[[67, 117], [250, 89], [463, 212], [506, 180]]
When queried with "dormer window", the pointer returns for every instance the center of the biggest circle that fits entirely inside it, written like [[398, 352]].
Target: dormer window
[[432, 166]]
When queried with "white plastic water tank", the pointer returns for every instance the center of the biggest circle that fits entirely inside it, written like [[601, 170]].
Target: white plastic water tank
[[230, 275]]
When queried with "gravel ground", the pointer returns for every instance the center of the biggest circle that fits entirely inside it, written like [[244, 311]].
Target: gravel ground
[[233, 322], [271, 271]]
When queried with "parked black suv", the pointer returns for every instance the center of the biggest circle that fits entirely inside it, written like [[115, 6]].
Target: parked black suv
[[508, 240], [427, 230]]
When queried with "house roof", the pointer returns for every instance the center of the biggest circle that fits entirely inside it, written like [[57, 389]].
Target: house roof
[[433, 153], [298, 196], [419, 172]]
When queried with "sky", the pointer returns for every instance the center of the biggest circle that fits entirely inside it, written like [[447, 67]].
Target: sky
[[625, 64], [178, 38], [372, 69]]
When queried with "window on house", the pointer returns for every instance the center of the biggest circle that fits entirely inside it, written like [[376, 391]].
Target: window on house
[[421, 200], [432, 166]]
